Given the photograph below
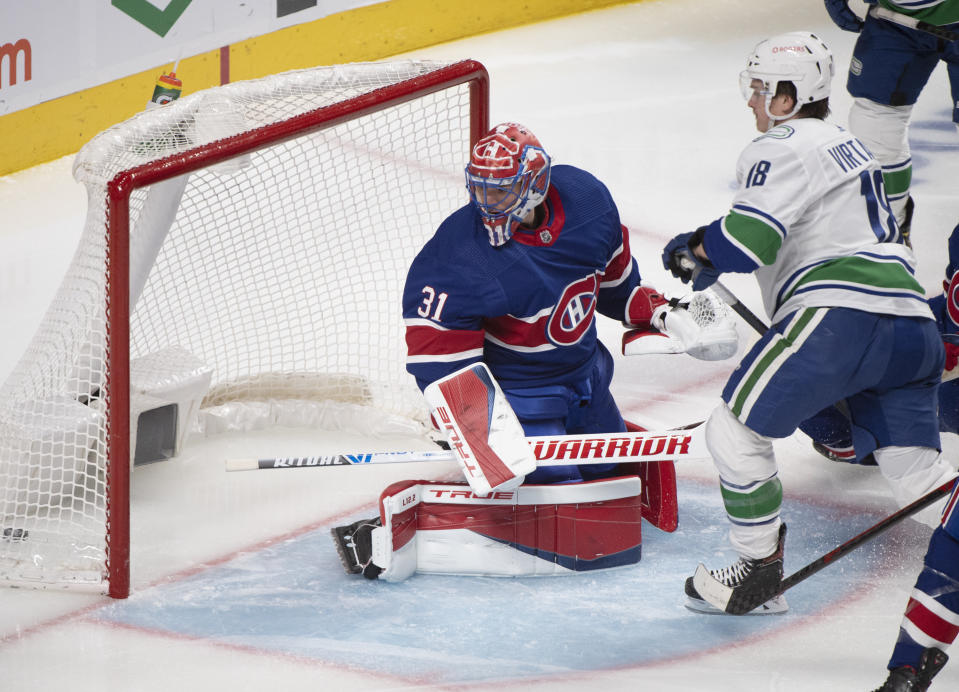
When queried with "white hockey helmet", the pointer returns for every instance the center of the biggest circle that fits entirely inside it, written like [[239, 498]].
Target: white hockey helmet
[[798, 57]]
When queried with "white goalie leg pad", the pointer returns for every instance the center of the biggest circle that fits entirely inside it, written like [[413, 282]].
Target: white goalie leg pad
[[482, 430], [745, 460], [912, 472], [394, 543], [700, 325], [534, 530]]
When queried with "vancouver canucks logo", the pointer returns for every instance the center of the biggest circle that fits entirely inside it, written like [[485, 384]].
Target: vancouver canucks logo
[[778, 132], [573, 314]]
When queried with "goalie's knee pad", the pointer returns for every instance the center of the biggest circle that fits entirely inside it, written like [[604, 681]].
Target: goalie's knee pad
[[446, 528]]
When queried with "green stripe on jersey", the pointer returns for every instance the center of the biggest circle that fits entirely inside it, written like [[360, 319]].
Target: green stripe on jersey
[[755, 504], [759, 237], [862, 271], [774, 350], [897, 182], [946, 12]]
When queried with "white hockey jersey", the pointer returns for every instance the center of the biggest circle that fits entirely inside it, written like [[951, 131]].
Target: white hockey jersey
[[812, 221]]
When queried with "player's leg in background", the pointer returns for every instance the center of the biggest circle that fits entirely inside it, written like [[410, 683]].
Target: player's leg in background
[[949, 407], [831, 434], [931, 620], [897, 416], [951, 56], [889, 68]]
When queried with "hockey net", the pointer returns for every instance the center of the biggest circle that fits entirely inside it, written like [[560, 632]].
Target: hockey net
[[242, 261]]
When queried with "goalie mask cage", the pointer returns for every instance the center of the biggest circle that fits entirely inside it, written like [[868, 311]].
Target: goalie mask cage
[[248, 242]]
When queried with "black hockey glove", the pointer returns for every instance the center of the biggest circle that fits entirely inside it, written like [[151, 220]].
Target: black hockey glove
[[682, 263]]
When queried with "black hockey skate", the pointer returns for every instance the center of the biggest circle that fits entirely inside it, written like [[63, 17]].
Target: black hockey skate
[[908, 679], [750, 585], [830, 453], [354, 543]]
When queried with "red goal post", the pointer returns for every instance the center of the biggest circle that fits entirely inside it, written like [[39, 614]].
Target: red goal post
[[254, 251]]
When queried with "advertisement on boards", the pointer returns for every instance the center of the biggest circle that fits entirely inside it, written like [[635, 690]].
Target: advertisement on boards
[[46, 54]]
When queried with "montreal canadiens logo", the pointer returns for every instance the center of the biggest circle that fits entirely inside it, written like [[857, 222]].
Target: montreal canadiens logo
[[952, 300], [573, 314]]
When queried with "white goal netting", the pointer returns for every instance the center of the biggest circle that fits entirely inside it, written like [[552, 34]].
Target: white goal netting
[[267, 257]]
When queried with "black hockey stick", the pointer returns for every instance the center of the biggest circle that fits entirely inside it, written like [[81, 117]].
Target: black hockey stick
[[733, 302], [913, 23], [727, 296], [737, 602]]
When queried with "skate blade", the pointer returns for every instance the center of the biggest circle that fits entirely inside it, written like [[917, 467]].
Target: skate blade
[[345, 554], [774, 606]]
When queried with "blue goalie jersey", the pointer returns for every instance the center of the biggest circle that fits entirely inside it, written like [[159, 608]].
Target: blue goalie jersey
[[527, 308]]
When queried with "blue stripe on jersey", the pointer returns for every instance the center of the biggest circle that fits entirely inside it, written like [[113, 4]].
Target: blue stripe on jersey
[[787, 287], [772, 220], [856, 289], [724, 255]]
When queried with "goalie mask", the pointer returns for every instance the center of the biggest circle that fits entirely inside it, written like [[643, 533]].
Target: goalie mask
[[507, 177], [798, 57]]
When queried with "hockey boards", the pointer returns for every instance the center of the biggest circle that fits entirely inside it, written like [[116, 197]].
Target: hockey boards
[[548, 450]]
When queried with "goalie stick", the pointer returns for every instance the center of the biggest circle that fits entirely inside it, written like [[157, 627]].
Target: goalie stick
[[549, 450], [738, 602]]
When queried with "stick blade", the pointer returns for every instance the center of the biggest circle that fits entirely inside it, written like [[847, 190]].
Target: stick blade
[[242, 464]]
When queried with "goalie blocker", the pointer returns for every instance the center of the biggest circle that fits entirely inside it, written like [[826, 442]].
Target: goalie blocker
[[481, 428]]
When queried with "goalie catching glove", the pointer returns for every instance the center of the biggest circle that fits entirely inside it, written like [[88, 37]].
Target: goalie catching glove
[[699, 324]]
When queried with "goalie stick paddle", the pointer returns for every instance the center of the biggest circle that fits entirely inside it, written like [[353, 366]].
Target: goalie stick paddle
[[549, 450], [739, 602]]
